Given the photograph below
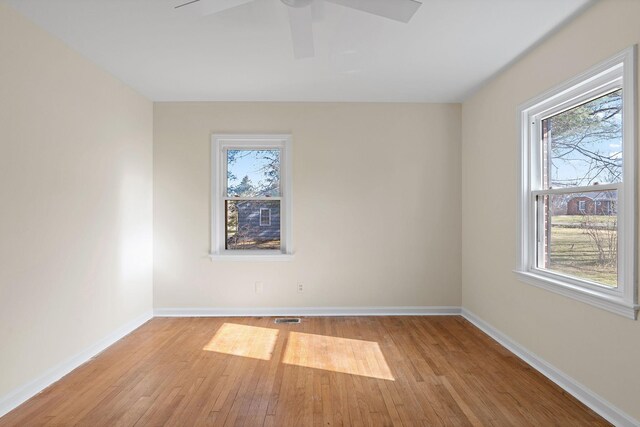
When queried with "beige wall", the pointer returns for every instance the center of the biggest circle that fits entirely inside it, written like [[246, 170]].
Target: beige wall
[[376, 207], [599, 349], [75, 203]]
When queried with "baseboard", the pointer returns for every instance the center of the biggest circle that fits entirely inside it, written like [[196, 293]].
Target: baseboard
[[306, 311], [589, 398], [15, 398], [599, 405]]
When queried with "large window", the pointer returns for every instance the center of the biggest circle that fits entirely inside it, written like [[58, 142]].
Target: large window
[[251, 200], [578, 180]]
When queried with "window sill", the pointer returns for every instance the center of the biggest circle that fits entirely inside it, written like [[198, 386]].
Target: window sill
[[611, 303], [251, 257]]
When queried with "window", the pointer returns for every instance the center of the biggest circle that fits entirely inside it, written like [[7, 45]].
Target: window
[[577, 230], [251, 200], [265, 217]]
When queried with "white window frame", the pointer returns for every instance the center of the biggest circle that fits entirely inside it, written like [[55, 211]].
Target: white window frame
[[220, 143], [618, 71], [268, 222]]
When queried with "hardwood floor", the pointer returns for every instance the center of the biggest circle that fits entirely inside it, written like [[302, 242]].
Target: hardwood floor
[[378, 371]]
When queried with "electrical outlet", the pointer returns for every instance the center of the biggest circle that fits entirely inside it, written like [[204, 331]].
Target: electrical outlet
[[259, 287], [300, 288]]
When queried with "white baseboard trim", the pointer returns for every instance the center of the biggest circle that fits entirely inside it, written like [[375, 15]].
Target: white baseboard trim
[[15, 398], [307, 311], [599, 405]]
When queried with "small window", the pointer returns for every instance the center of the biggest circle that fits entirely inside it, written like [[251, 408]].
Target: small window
[[577, 166], [251, 200], [582, 206], [265, 217]]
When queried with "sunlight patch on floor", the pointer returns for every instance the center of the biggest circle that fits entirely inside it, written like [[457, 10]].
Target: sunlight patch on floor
[[243, 340], [335, 354]]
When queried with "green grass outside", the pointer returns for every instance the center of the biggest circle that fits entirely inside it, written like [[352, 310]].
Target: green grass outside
[[578, 219], [574, 253]]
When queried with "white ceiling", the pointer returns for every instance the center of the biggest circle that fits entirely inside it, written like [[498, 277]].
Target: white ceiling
[[245, 54]]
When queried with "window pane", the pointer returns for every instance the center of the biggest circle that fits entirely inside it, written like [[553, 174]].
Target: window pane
[[580, 235], [245, 228], [253, 173], [583, 145]]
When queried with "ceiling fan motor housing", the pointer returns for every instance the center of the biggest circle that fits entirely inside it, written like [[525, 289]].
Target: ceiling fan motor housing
[[297, 3]]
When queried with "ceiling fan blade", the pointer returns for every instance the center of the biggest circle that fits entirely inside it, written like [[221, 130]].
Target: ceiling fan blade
[[398, 10], [186, 4], [301, 21], [209, 7]]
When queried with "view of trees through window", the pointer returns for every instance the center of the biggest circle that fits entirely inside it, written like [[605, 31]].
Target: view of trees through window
[[253, 173], [583, 148], [585, 143], [253, 187]]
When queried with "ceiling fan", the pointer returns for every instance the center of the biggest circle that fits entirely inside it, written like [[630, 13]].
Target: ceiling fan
[[302, 14]]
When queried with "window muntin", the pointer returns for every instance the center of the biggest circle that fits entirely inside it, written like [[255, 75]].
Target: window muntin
[[601, 190], [251, 200]]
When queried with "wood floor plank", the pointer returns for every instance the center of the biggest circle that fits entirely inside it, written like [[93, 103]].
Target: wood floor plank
[[342, 371]]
